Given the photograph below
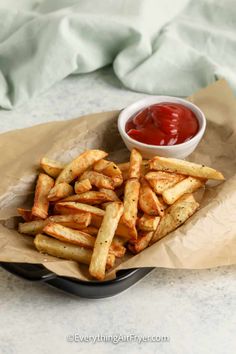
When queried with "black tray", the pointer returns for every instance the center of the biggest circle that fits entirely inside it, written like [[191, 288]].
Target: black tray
[[89, 290]]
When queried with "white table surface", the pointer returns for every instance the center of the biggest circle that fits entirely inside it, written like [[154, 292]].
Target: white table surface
[[195, 309]]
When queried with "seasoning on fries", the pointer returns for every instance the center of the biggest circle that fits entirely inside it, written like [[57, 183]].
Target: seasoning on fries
[[93, 210]]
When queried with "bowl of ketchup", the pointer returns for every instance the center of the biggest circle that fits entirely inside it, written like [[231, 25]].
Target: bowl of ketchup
[[162, 125]]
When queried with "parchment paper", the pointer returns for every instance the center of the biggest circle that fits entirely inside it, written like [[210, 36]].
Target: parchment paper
[[208, 239]]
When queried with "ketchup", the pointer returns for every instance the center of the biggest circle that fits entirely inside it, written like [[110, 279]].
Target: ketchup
[[163, 124]]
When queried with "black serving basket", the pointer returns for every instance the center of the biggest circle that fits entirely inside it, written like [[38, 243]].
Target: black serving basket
[[90, 290]]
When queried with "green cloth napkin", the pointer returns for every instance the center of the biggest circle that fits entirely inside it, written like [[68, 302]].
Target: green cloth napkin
[[156, 47]]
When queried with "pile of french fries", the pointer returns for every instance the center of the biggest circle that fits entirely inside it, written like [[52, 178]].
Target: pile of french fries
[[93, 210]]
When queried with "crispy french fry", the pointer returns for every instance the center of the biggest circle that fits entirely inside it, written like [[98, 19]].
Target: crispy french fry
[[104, 240], [141, 243], [32, 227], [76, 208], [135, 164], [26, 214], [79, 238], [110, 169], [82, 186], [77, 221], [98, 179], [90, 197], [160, 181], [66, 234], [163, 204], [91, 230], [111, 194], [131, 198], [188, 185], [41, 203], [124, 167], [185, 168], [74, 221], [51, 167], [79, 165], [60, 191], [175, 216], [148, 222], [117, 249], [101, 165], [56, 248], [148, 200]]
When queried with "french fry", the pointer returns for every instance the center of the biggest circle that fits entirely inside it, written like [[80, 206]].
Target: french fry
[[51, 167], [135, 164], [148, 222], [160, 181], [148, 200], [90, 197], [163, 204], [98, 179], [131, 198], [91, 230], [32, 227], [104, 240], [111, 194], [74, 221], [79, 238], [188, 185], [110, 169], [41, 203], [60, 191], [82, 186], [77, 221], [124, 167], [101, 165], [56, 248], [26, 214], [76, 208], [141, 243], [66, 234], [175, 216], [185, 168], [117, 249], [79, 165]]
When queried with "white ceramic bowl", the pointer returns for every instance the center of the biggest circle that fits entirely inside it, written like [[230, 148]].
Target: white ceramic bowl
[[179, 151]]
